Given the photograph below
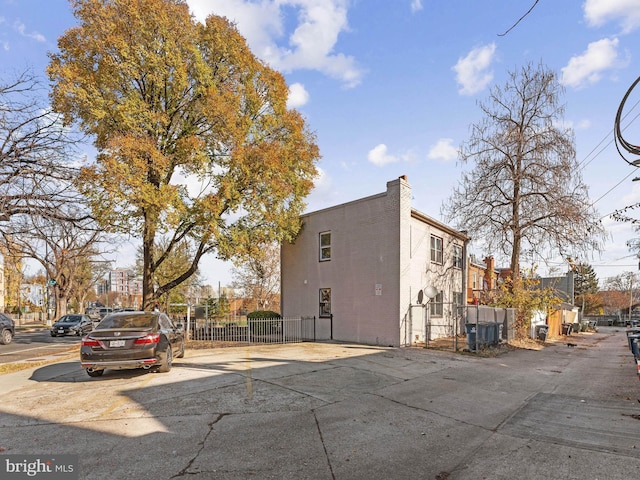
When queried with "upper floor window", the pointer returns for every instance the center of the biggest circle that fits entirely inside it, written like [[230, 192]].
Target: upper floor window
[[436, 249], [457, 256], [325, 246]]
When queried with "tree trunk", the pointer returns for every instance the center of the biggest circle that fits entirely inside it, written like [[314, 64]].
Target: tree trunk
[[148, 266]]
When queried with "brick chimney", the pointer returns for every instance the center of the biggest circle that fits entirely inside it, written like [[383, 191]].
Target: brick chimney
[[489, 273]]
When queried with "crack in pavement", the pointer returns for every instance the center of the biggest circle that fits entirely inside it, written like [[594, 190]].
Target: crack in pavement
[[185, 471]]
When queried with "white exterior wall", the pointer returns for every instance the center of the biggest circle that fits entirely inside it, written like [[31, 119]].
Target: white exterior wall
[[380, 260], [423, 273]]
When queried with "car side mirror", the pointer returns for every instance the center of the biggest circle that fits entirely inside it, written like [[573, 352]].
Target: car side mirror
[[179, 326]]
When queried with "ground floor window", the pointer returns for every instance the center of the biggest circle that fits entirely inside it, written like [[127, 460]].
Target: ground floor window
[[325, 302], [435, 305]]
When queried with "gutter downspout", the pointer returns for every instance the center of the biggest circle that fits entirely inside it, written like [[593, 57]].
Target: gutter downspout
[[465, 275]]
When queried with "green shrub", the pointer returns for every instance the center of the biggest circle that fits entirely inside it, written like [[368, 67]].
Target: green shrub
[[263, 314], [260, 323]]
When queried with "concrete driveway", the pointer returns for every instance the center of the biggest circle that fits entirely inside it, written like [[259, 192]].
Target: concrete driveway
[[340, 411]]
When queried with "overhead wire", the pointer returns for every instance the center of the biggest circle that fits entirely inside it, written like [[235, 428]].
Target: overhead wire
[[620, 140]]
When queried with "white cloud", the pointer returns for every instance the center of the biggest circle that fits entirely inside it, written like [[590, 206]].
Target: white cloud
[[588, 68], [5, 46], [443, 150], [22, 30], [379, 156], [298, 96], [416, 5], [323, 193], [599, 12], [472, 71], [311, 45], [583, 124]]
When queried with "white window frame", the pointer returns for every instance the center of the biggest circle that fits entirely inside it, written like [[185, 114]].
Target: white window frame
[[457, 256], [324, 249], [436, 305], [436, 253]]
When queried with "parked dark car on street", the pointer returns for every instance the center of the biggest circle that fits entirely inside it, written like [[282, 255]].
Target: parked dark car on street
[[126, 340], [7, 329], [74, 324]]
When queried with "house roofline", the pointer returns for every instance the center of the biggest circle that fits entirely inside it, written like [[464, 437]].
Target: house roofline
[[342, 205], [435, 223]]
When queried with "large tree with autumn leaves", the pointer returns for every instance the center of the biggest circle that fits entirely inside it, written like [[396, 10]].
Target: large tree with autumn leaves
[[194, 139]]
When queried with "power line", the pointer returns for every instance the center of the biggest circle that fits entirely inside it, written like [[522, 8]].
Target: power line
[[612, 189], [620, 140]]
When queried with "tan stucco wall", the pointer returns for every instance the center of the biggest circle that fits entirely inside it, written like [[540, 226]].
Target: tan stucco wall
[[379, 262]]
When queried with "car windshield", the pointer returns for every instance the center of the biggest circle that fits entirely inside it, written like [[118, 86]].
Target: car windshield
[[128, 321], [70, 319]]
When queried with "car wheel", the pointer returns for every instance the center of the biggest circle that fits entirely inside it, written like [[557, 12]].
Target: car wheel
[[53, 334], [6, 337], [168, 360], [95, 373], [181, 354]]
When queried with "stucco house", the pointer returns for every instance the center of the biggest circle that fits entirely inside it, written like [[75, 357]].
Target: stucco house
[[364, 269]]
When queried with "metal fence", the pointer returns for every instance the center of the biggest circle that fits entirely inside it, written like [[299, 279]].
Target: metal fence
[[439, 329], [252, 331]]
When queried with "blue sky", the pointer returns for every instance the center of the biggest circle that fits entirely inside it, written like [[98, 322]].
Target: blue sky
[[390, 87]]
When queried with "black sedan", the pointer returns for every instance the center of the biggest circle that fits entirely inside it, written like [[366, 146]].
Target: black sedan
[[126, 340], [76, 324], [7, 329]]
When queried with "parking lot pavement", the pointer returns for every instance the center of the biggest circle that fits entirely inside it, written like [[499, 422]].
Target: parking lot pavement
[[340, 411]]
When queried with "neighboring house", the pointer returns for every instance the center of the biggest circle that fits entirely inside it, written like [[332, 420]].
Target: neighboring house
[[363, 268], [563, 287], [483, 277]]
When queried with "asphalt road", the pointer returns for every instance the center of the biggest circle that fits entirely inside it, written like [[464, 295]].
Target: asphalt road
[[33, 345], [340, 411]]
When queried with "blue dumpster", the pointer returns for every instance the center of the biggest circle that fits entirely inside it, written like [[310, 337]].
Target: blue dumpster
[[490, 332], [485, 334], [482, 334]]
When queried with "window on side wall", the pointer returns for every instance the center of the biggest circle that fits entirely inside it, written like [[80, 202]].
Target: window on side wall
[[325, 246], [435, 305], [457, 298], [457, 256], [436, 249]]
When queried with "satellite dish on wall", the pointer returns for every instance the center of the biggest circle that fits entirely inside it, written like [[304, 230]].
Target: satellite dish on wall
[[430, 292], [420, 297]]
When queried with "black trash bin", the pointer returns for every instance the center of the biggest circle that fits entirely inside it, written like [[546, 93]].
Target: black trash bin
[[634, 345], [541, 332], [630, 333], [566, 328], [471, 330]]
